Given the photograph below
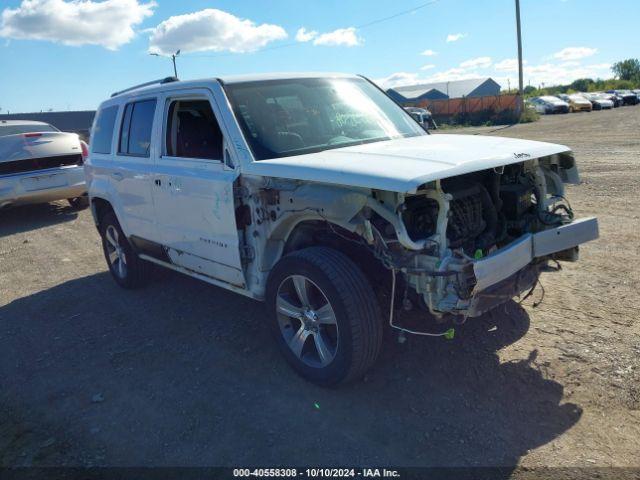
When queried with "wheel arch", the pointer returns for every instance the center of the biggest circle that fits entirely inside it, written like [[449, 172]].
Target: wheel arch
[[318, 232], [99, 208]]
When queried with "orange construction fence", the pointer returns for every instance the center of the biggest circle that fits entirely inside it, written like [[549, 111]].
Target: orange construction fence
[[453, 106]]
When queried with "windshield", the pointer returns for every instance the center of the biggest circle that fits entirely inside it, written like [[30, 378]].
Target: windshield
[[282, 118], [15, 129]]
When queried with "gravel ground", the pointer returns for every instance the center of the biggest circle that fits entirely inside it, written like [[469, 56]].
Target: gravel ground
[[185, 374]]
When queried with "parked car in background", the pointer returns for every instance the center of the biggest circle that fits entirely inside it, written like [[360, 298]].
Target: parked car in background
[[322, 197], [599, 101], [578, 103], [548, 104], [423, 117], [39, 163], [615, 99], [627, 96], [637, 92]]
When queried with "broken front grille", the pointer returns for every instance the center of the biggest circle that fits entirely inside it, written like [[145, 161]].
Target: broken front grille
[[35, 164]]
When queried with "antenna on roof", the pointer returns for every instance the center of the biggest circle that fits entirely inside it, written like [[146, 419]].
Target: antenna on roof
[[172, 57]]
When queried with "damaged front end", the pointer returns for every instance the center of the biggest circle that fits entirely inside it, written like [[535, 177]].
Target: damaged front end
[[466, 244], [456, 246]]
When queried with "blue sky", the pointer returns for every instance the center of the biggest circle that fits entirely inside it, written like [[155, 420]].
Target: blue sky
[[63, 54]]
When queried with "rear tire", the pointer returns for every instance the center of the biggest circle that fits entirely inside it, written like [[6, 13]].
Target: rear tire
[[324, 315], [79, 203], [127, 269]]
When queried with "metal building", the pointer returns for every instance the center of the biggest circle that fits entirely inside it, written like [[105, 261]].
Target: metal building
[[475, 87]]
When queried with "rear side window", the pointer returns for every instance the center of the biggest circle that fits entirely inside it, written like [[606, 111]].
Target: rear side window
[[103, 130], [137, 123], [193, 131]]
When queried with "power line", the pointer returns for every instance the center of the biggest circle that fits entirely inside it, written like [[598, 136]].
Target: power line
[[292, 44], [396, 15]]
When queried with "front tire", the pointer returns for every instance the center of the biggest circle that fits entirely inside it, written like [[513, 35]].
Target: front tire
[[127, 269], [324, 315]]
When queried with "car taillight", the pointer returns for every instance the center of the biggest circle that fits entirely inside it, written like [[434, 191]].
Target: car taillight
[[31, 135], [85, 151]]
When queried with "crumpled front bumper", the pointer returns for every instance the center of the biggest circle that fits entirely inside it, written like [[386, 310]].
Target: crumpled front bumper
[[507, 261], [514, 269]]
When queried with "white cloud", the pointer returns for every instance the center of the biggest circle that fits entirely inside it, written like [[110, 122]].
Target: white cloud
[[557, 74], [212, 29], [347, 37], [549, 73], [429, 53], [575, 53], [454, 37], [480, 62], [108, 23], [398, 79], [305, 36], [601, 66], [508, 65], [401, 79], [450, 75]]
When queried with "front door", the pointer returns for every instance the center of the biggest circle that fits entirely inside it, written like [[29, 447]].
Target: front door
[[193, 189]]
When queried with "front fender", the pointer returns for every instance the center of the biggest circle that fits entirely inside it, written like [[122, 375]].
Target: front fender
[[311, 202]]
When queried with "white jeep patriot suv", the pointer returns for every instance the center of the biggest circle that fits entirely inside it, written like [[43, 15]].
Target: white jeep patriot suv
[[318, 194]]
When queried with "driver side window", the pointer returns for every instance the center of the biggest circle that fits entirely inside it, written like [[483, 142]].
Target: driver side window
[[192, 131]]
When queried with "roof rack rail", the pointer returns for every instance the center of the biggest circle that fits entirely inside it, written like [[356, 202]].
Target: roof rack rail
[[146, 84]]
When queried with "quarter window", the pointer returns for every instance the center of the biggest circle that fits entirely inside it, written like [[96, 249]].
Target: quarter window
[[103, 130], [193, 131], [137, 123]]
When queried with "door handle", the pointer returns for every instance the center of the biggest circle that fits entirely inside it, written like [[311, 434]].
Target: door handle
[[117, 176]]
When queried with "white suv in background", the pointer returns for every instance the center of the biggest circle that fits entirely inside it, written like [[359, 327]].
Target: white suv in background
[[321, 196]]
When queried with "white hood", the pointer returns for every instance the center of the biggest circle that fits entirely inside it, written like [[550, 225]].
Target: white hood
[[405, 164]]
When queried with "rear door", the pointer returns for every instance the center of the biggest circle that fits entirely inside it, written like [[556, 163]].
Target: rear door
[[132, 168], [193, 188]]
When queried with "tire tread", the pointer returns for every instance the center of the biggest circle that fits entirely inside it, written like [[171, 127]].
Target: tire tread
[[361, 305]]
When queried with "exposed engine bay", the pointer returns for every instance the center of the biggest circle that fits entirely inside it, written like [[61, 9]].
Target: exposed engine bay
[[461, 245], [487, 210], [469, 227]]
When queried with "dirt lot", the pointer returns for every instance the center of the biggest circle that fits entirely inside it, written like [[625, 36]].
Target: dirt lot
[[185, 374]]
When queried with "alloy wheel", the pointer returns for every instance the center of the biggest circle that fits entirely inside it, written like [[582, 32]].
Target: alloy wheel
[[307, 321], [115, 253]]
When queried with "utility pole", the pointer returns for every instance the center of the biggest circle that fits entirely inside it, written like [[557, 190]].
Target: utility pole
[[173, 59], [520, 77]]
